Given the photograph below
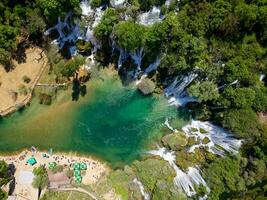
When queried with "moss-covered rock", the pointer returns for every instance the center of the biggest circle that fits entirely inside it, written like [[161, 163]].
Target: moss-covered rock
[[152, 170], [185, 159], [83, 46], [176, 141], [192, 141], [206, 140], [166, 190], [203, 131]]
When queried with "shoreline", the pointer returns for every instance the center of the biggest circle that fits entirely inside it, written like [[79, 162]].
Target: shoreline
[[11, 109], [66, 159]]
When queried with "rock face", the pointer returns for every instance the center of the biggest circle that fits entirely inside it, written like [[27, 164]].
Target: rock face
[[176, 141], [146, 86]]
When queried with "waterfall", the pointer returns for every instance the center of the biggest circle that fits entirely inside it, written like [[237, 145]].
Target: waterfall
[[219, 139], [123, 56], [116, 3], [86, 8], [153, 66], [142, 189], [262, 76], [167, 3], [227, 85], [185, 181], [169, 126], [176, 90], [137, 57], [150, 17], [73, 33]]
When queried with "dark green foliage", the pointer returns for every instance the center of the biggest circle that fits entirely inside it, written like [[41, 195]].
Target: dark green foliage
[[204, 91], [242, 122], [3, 178], [105, 27], [52, 9], [129, 36], [223, 176]]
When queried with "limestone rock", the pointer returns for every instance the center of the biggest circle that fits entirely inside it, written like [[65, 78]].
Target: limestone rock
[[146, 86]]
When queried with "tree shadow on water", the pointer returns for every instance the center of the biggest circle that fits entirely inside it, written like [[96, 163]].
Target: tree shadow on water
[[78, 90]]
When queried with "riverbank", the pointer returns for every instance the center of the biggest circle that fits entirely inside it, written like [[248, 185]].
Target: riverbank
[[94, 172], [16, 86]]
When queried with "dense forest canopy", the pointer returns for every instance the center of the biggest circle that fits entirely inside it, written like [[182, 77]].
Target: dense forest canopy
[[225, 41]]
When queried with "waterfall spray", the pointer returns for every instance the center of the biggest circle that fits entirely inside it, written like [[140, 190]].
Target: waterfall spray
[[142, 189], [185, 181], [219, 139]]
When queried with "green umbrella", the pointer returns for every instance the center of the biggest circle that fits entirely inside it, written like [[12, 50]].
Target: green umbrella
[[76, 166], [83, 166], [78, 179], [77, 173], [52, 165]]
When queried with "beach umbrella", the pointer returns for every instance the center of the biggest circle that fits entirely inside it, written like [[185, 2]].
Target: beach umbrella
[[77, 173], [83, 166], [78, 179], [76, 166], [32, 161], [52, 165]]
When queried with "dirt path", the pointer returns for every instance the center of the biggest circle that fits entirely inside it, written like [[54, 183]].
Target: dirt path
[[11, 83], [78, 190]]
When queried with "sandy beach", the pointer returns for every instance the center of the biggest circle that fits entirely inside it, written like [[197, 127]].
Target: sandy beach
[[95, 169]]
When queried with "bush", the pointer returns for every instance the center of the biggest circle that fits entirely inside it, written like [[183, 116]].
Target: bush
[[26, 79], [45, 99], [23, 89]]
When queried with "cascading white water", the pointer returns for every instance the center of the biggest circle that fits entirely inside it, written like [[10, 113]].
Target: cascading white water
[[185, 181], [176, 90], [71, 36], [86, 8], [150, 17], [153, 66], [227, 85], [142, 189], [219, 139], [262, 76], [116, 3], [166, 123], [123, 56], [137, 57]]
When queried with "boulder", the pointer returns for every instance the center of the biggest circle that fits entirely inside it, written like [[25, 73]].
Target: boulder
[[176, 141], [146, 86]]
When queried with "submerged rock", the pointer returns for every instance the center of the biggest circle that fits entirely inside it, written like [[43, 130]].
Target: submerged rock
[[175, 141], [146, 86]]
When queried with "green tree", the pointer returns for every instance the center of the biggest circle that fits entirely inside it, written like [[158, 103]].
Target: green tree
[[204, 91], [223, 176], [238, 98], [105, 27], [129, 35], [242, 122], [40, 180], [3, 169]]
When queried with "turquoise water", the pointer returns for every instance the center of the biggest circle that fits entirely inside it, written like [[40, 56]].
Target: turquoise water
[[112, 122]]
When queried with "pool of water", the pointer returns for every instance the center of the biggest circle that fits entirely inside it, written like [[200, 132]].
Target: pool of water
[[112, 122]]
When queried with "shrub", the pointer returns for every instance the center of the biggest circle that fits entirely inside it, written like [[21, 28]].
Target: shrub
[[26, 79]]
